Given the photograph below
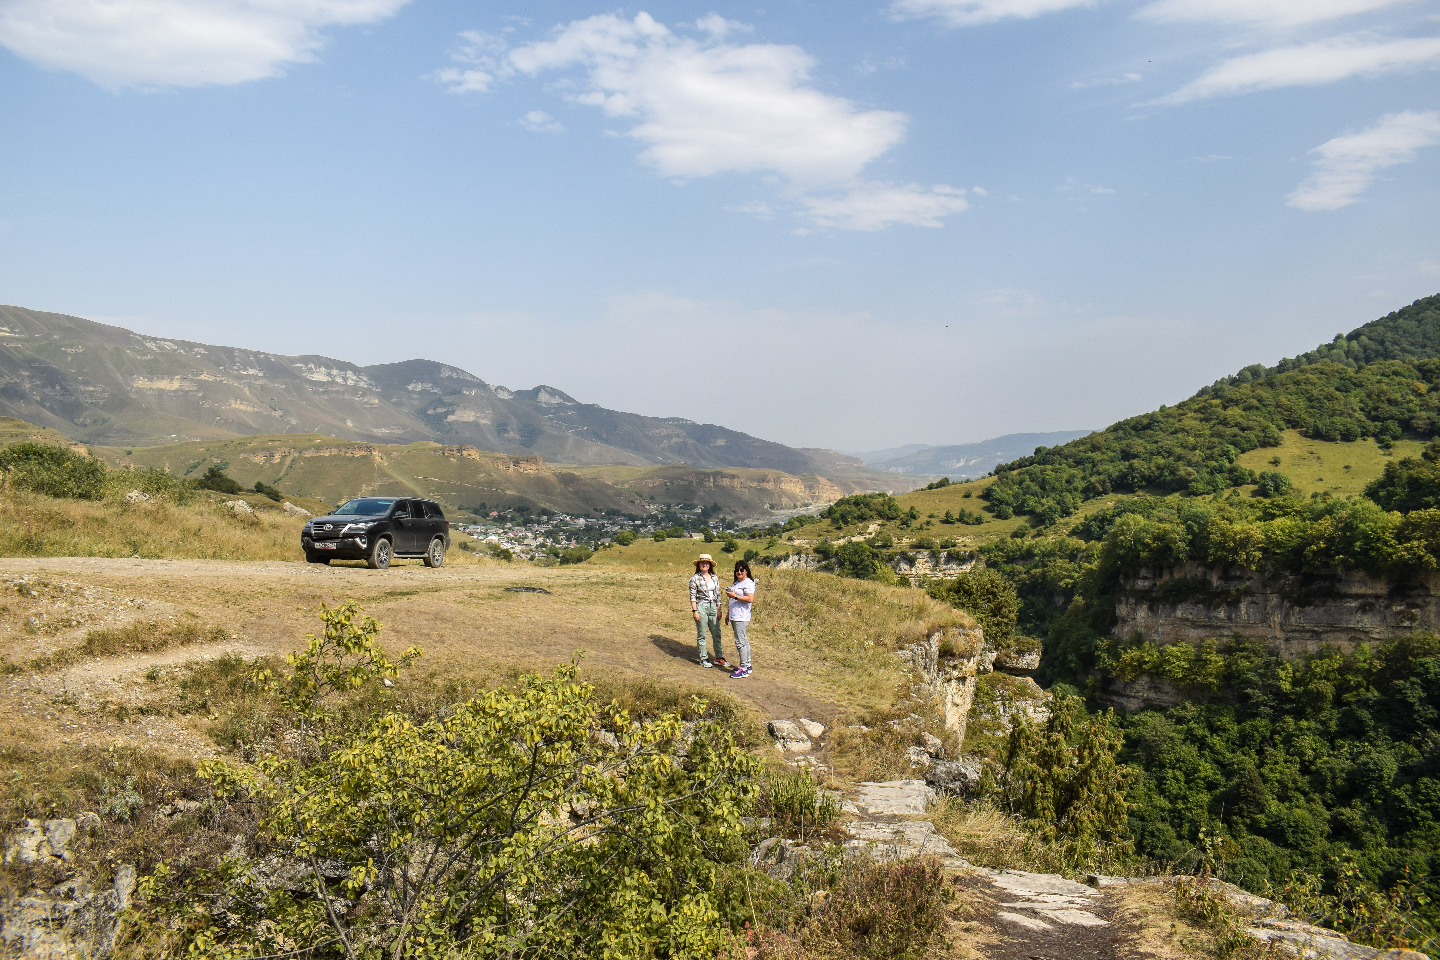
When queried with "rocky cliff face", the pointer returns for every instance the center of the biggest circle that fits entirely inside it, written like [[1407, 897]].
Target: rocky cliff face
[[1291, 615]]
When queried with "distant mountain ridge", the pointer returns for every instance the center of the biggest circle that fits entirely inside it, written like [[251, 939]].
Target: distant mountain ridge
[[108, 385], [964, 461]]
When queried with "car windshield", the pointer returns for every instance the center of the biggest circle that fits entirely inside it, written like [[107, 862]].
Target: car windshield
[[364, 507]]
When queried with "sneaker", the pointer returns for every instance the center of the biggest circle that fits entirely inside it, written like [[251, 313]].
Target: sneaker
[[722, 663], [740, 673], [704, 663]]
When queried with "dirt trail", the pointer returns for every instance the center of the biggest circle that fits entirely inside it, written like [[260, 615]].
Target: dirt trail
[[470, 621]]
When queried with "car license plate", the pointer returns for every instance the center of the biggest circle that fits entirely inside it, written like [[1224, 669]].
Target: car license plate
[[324, 546]]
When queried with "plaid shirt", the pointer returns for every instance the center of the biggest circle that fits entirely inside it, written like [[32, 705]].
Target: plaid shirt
[[704, 590]]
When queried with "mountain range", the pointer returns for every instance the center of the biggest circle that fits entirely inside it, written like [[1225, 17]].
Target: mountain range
[[103, 384], [963, 461]]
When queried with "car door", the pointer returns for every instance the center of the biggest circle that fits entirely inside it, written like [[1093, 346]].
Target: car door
[[408, 530], [435, 525]]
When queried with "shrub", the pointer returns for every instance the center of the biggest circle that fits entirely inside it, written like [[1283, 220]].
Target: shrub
[[1407, 484], [218, 480], [626, 537], [795, 803], [862, 508], [576, 555], [659, 536], [53, 471], [860, 560], [1063, 779], [987, 596], [262, 487], [531, 821], [1273, 484]]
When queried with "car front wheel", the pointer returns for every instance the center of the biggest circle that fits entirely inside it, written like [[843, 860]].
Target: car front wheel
[[435, 556], [380, 555]]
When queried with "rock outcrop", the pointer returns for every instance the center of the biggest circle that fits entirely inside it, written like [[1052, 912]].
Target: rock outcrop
[[70, 920], [1292, 615]]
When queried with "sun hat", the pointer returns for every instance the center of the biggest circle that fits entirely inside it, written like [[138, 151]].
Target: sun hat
[[705, 558]]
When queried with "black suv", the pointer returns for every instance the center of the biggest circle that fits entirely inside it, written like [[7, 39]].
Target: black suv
[[378, 529]]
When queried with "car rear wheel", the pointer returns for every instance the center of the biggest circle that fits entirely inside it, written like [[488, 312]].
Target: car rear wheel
[[380, 555], [316, 558], [435, 556]]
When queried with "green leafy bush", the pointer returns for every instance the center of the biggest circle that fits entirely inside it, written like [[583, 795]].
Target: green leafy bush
[[1272, 484], [264, 488], [1063, 778], [530, 821], [796, 804], [53, 471], [987, 596], [218, 480], [860, 560], [576, 555], [862, 508], [1408, 483], [626, 537]]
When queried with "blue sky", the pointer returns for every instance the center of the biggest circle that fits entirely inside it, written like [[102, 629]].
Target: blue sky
[[848, 224]]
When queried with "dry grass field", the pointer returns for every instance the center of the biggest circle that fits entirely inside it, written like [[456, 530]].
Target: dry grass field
[[822, 645]]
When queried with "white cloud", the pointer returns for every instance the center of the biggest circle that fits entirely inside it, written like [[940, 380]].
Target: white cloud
[[1266, 13], [1346, 166], [875, 206], [1311, 64], [702, 105], [182, 43], [968, 13], [538, 121]]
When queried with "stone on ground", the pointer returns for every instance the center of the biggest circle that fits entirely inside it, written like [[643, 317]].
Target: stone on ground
[[789, 736], [892, 798]]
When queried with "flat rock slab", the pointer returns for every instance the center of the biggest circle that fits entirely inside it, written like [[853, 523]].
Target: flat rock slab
[[1318, 943], [892, 798], [900, 841], [1032, 885], [1023, 922], [1074, 918]]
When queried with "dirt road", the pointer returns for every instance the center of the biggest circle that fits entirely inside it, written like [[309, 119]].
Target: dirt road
[[471, 622]]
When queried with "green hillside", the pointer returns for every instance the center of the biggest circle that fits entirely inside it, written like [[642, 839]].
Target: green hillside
[[1195, 447], [1410, 333]]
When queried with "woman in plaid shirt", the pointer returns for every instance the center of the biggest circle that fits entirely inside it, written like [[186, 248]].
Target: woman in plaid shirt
[[705, 607]]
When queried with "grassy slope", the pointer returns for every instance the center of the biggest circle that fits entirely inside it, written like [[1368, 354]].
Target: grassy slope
[[32, 525], [1339, 469]]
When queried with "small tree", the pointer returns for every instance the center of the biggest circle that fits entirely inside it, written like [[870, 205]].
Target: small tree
[[1062, 777], [531, 821], [988, 597]]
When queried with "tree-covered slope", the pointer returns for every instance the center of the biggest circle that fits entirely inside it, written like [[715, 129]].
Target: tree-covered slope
[[1193, 446], [1410, 333]]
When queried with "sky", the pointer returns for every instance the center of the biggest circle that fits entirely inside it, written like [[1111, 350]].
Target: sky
[[851, 224]]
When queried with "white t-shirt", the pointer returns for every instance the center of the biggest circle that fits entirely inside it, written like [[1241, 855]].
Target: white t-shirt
[[739, 609]]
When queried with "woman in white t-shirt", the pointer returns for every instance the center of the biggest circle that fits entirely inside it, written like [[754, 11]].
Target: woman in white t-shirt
[[742, 596]]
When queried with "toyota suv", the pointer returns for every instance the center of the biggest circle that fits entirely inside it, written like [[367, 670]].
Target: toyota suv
[[377, 530]]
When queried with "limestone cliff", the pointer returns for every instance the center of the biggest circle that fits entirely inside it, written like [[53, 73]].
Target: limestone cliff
[[1292, 615]]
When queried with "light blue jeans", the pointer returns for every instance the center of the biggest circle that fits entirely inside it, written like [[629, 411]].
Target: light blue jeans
[[742, 642], [709, 620]]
